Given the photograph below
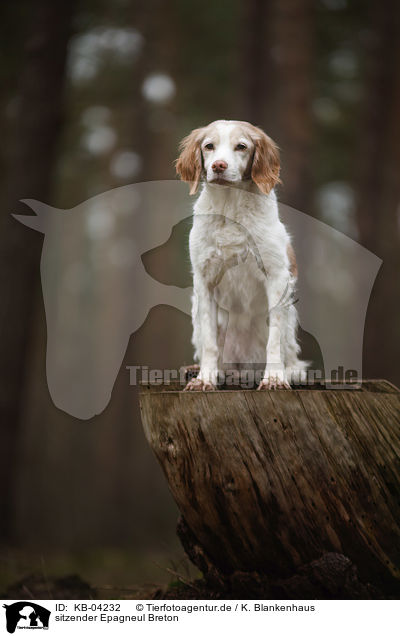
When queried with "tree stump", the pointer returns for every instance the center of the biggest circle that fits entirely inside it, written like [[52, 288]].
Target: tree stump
[[268, 482]]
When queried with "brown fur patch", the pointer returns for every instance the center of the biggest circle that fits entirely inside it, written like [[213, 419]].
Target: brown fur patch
[[189, 164], [266, 165], [292, 261]]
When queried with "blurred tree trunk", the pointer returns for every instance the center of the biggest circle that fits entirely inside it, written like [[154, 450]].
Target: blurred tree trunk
[[36, 127], [257, 67], [155, 122], [277, 71], [379, 188], [293, 41]]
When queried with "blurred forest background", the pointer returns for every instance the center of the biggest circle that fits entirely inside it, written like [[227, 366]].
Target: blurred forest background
[[96, 94]]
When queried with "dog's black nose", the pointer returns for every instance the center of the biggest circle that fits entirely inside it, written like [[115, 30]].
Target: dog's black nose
[[219, 166]]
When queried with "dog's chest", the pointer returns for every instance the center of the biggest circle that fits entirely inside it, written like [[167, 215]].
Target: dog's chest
[[228, 240], [226, 254]]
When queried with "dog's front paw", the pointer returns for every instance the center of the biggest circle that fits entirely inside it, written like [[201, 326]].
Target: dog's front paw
[[196, 384], [190, 371], [274, 380]]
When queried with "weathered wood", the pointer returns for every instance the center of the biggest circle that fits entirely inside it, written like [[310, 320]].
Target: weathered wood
[[368, 386], [269, 481]]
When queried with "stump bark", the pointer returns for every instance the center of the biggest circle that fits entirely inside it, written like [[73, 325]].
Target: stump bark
[[269, 482]]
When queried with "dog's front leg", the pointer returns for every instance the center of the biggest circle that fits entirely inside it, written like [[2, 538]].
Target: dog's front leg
[[205, 320], [278, 294]]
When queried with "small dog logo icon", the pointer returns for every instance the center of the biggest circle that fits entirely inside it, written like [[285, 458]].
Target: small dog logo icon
[[26, 615]]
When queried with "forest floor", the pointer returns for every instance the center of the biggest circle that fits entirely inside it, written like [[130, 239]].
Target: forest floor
[[103, 573], [333, 576]]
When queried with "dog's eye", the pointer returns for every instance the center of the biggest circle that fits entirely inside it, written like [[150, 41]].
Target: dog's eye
[[209, 146], [240, 147]]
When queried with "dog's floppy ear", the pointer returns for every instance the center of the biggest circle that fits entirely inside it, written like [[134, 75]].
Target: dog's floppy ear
[[189, 163], [266, 164]]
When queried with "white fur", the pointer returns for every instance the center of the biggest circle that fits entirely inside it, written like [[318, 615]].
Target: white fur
[[241, 271]]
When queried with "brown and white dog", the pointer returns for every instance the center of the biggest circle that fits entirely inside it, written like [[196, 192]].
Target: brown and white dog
[[244, 267]]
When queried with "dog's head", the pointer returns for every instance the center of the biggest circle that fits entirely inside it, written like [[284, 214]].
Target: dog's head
[[227, 153]]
